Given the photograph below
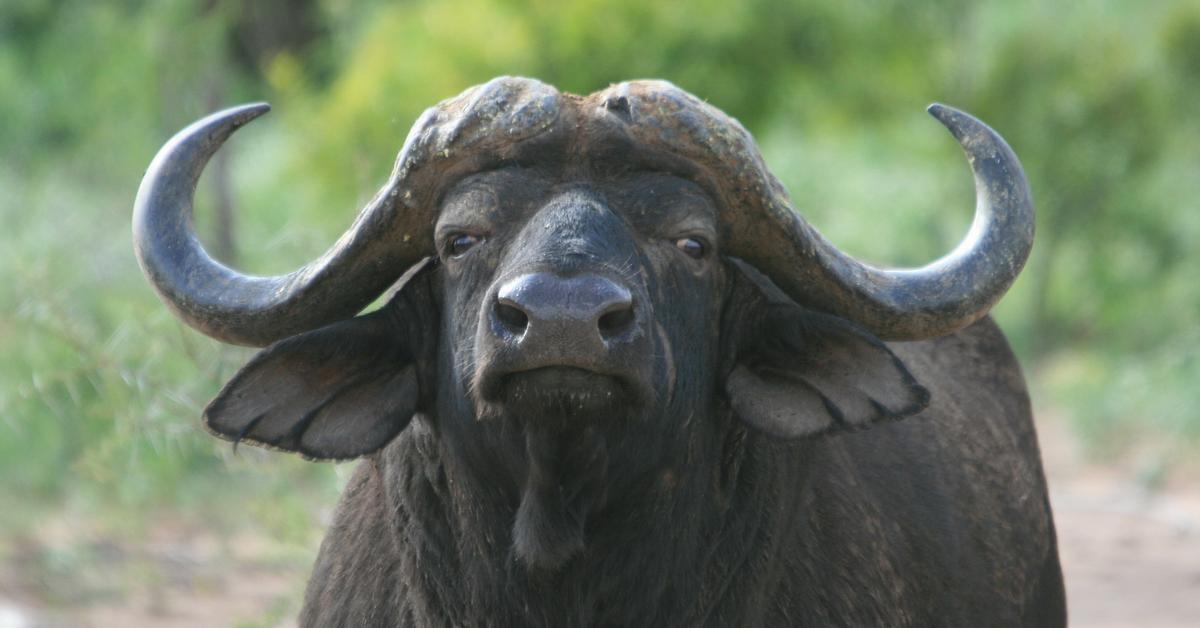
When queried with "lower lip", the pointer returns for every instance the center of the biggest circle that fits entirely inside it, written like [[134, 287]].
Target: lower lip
[[566, 383]]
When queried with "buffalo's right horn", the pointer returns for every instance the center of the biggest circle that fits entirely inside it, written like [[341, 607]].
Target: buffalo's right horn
[[257, 311]]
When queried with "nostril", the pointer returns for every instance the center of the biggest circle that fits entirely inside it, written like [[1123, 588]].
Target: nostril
[[512, 318], [616, 322]]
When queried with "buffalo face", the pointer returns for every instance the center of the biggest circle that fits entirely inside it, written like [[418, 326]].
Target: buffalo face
[[571, 298], [579, 336]]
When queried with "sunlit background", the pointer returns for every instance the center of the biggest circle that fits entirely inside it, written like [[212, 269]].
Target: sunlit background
[[117, 509]]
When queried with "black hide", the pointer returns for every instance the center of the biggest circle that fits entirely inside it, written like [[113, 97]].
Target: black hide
[[701, 459]]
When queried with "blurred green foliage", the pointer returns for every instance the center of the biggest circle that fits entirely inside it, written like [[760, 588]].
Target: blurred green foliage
[[101, 389]]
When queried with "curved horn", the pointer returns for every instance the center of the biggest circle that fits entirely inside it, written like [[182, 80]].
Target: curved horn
[[247, 310], [950, 293], [759, 224]]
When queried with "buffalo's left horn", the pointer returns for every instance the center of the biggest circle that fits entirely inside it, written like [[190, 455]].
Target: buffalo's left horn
[[257, 311], [946, 295]]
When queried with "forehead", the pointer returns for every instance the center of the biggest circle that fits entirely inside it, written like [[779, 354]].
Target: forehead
[[638, 195]]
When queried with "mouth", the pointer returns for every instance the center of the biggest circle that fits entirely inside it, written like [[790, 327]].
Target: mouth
[[560, 393]]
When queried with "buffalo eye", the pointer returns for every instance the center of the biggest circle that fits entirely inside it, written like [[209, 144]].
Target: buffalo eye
[[692, 247], [460, 243]]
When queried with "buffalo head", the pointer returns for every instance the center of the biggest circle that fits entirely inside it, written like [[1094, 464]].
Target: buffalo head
[[600, 292]]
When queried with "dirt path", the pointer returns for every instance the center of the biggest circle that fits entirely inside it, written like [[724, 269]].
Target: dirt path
[[1131, 559], [177, 577]]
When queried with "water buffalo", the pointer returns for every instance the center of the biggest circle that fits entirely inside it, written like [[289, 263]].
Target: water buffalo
[[621, 382]]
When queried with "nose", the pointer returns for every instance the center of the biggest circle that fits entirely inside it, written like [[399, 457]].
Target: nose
[[574, 311]]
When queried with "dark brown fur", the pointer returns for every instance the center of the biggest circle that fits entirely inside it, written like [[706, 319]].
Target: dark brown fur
[[937, 520]]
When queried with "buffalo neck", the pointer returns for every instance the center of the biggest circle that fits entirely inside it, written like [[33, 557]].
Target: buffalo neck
[[671, 546]]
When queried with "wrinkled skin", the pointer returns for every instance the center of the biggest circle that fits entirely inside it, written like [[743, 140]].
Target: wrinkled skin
[[719, 456]]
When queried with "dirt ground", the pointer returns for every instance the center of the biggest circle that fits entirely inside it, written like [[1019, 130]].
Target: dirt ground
[[1131, 559]]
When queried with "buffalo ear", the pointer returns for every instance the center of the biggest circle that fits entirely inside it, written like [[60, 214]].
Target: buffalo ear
[[338, 392], [801, 373]]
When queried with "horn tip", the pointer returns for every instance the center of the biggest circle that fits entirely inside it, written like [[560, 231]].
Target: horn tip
[[245, 113], [960, 123], [943, 113]]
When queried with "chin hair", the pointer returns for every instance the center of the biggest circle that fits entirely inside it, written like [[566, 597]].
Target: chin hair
[[567, 481]]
